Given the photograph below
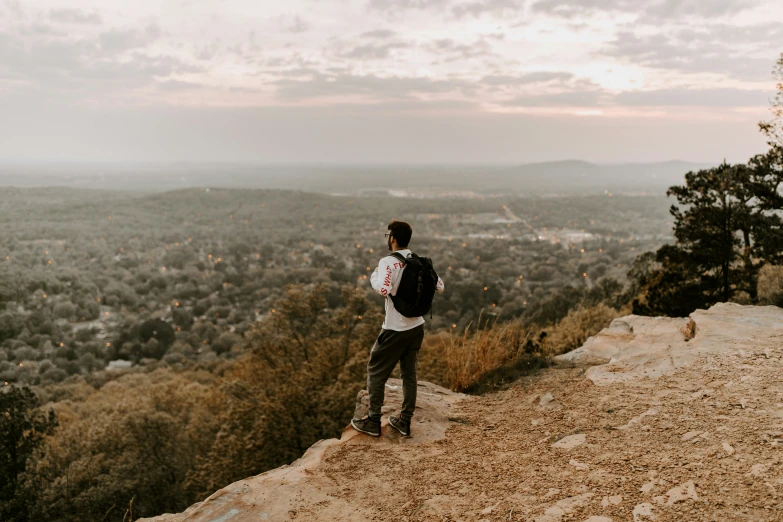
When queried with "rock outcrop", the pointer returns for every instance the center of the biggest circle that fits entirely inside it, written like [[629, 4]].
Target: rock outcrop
[[635, 347], [653, 419], [277, 493]]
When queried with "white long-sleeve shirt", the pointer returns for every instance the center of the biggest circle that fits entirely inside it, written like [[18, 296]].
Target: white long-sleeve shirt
[[385, 280]]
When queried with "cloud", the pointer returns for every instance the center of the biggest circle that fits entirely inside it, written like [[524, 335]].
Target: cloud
[[74, 16], [657, 9], [450, 50], [313, 84], [526, 79], [576, 98], [706, 51], [117, 40], [585, 94], [481, 7], [379, 34], [401, 5], [177, 85], [693, 97], [114, 63], [298, 25], [373, 51]]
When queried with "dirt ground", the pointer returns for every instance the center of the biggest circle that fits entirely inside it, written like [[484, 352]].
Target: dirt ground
[[703, 443]]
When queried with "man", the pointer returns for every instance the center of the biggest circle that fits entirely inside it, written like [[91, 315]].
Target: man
[[399, 340]]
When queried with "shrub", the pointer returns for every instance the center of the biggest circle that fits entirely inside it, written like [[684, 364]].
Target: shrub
[[478, 354], [297, 384], [574, 329]]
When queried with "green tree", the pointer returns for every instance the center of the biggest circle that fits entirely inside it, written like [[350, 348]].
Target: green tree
[[297, 385], [11, 324], [727, 225], [712, 226], [23, 427], [773, 128]]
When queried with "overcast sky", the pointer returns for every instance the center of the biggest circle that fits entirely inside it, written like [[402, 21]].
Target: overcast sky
[[386, 80]]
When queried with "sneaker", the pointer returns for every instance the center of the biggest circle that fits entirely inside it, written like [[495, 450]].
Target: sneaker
[[367, 425], [401, 425]]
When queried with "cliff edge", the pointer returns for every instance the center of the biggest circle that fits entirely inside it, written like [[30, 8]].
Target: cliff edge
[[653, 419]]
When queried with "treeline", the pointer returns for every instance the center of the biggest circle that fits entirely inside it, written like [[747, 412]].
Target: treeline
[[177, 279]]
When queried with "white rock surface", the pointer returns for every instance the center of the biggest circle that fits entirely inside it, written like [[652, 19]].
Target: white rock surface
[[635, 347], [682, 493], [570, 442], [643, 512]]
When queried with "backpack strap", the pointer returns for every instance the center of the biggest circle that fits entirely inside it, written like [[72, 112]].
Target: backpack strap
[[400, 257]]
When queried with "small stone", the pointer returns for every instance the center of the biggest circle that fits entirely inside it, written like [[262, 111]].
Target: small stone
[[487, 511], [728, 448], [548, 402], [646, 488], [578, 465], [638, 419], [690, 435], [758, 470], [570, 442], [643, 512], [682, 492], [598, 519]]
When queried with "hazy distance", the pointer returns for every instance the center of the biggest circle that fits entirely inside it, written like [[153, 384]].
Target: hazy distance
[[427, 181]]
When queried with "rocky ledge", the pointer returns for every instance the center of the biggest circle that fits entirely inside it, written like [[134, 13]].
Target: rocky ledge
[[635, 347], [277, 493]]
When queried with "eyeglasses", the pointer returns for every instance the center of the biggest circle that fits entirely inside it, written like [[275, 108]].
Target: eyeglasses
[[387, 234]]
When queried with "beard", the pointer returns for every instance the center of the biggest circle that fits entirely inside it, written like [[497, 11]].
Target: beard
[[389, 244]]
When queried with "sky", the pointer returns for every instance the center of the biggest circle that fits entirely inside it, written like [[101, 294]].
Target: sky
[[386, 81]]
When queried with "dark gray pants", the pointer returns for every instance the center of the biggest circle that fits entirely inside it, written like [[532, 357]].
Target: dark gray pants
[[391, 347]]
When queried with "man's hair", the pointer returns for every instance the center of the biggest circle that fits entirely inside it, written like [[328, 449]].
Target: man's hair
[[401, 231]]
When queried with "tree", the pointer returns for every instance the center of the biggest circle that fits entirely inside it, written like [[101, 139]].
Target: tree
[[23, 427], [773, 128], [727, 225], [712, 258], [766, 184], [11, 324], [297, 384]]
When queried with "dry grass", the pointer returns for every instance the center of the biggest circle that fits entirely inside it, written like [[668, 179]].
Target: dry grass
[[573, 330], [478, 353], [486, 358]]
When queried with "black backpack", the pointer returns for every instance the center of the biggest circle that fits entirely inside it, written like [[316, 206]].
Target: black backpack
[[417, 286]]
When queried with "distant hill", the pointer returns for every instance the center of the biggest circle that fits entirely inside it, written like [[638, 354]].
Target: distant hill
[[561, 177]]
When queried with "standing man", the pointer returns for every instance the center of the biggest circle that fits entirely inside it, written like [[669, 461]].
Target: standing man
[[408, 298]]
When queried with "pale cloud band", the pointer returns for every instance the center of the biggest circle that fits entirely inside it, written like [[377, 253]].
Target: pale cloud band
[[602, 58]]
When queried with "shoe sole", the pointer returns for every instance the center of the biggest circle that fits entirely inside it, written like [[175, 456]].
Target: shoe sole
[[398, 429], [371, 434]]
